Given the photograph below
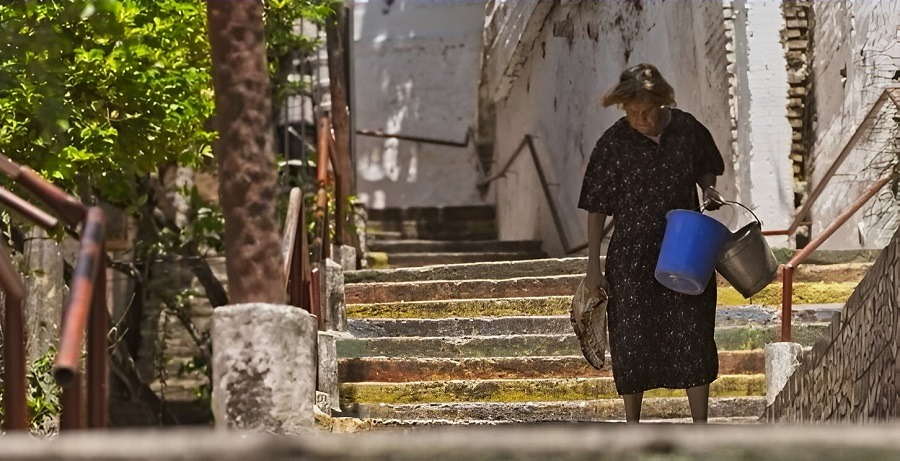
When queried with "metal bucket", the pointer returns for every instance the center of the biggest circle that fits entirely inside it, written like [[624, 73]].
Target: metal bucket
[[746, 260]]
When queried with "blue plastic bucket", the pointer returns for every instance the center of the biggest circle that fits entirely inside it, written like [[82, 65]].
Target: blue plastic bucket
[[690, 249]]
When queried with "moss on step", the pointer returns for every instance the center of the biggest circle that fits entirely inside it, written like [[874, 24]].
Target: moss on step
[[377, 260], [543, 390], [804, 293], [549, 305]]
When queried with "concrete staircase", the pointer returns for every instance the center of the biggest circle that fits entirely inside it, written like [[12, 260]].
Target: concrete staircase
[[490, 343], [411, 237]]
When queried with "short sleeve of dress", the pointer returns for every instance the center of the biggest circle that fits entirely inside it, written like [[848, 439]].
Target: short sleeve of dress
[[707, 159], [598, 188]]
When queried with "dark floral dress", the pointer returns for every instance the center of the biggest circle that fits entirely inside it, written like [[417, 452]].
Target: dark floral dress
[[658, 337]]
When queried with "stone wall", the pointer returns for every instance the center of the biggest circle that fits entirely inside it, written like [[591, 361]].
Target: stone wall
[[798, 40], [851, 374]]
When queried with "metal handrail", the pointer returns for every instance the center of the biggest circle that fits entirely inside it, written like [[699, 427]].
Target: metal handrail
[[407, 137], [85, 308], [528, 141], [889, 93], [787, 269]]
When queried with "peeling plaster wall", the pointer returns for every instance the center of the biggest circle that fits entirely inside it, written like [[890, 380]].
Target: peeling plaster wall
[[856, 55], [416, 73], [582, 48]]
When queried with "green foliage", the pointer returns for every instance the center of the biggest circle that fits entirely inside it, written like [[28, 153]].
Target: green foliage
[[96, 93], [281, 17], [43, 395]]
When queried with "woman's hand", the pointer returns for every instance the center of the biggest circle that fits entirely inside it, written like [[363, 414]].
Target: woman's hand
[[712, 199], [594, 280]]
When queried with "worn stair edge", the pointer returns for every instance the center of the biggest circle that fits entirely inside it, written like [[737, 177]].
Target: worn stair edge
[[427, 259], [593, 410], [562, 285], [497, 269], [454, 246], [568, 266], [538, 305], [555, 324], [412, 424], [728, 338], [528, 390], [409, 369]]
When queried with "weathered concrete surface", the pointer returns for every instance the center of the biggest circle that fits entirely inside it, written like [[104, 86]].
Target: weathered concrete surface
[[454, 246], [345, 256], [459, 289], [726, 316], [327, 374], [597, 410], [549, 305], [408, 369], [45, 292], [528, 390], [727, 338], [427, 259], [497, 270], [264, 367], [335, 305], [781, 361], [564, 285], [830, 266], [588, 442]]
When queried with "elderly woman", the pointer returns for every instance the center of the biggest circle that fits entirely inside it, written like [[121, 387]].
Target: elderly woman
[[647, 163]]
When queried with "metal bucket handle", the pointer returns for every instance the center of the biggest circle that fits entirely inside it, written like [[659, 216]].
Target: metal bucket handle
[[730, 202]]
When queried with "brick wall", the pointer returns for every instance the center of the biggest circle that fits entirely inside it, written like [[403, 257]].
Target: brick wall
[[851, 374]]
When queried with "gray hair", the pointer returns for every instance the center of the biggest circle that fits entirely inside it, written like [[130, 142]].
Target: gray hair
[[637, 82]]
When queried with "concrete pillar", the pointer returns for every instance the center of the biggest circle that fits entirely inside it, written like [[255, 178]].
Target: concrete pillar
[[328, 371], [781, 361], [264, 367], [345, 255], [45, 292], [334, 306]]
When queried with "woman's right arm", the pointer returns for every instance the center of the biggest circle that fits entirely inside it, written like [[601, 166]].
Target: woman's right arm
[[594, 277]]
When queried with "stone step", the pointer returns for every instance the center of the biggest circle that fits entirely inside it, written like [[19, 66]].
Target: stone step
[[564, 285], [427, 259], [527, 390], [454, 246], [557, 324], [407, 369], [728, 338], [847, 272], [594, 410], [482, 270], [355, 425]]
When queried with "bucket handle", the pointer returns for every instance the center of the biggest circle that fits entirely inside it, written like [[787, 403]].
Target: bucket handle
[[731, 202]]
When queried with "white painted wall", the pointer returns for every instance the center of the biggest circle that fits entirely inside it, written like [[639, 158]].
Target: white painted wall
[[415, 69], [582, 49], [762, 161], [856, 56]]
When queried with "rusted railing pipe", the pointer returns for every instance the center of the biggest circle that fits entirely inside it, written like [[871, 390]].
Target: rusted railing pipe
[[15, 389], [29, 211], [76, 314], [798, 258], [322, 181], [67, 207], [99, 323], [339, 194]]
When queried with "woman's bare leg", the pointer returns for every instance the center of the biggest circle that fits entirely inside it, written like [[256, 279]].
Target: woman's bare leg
[[698, 398], [633, 407]]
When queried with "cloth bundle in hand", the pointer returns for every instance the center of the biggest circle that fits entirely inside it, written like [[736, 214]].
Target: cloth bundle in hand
[[588, 317]]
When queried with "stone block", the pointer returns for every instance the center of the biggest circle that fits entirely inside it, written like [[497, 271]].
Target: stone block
[[335, 307], [797, 44], [781, 361], [264, 368], [345, 255], [323, 402], [328, 383], [797, 24]]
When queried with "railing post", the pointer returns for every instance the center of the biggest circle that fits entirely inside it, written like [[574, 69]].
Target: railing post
[[13, 329], [787, 292], [98, 328]]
